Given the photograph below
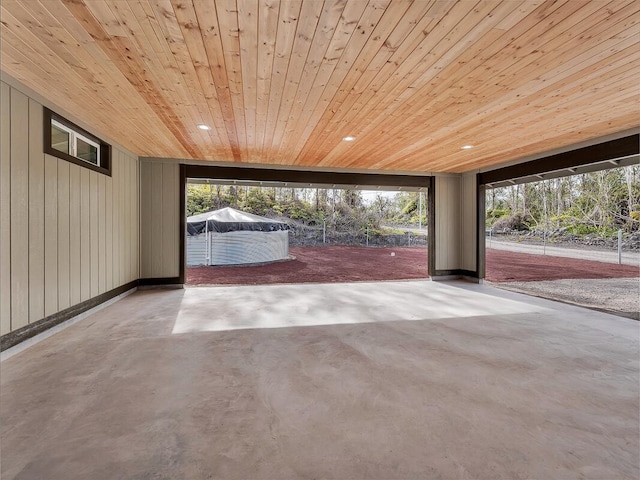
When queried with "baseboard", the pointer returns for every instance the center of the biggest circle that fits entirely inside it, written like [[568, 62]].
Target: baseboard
[[160, 281], [46, 324], [455, 274]]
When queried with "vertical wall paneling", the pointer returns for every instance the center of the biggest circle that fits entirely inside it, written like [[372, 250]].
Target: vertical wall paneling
[[36, 213], [94, 246], [51, 249], [122, 218], [117, 198], [109, 232], [5, 208], [134, 209], [75, 254], [136, 225], [169, 207], [447, 222], [102, 248], [63, 234], [469, 222], [19, 209], [85, 234], [157, 217], [129, 218], [145, 219], [67, 234]]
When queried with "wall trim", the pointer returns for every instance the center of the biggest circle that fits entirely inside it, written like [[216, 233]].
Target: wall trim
[[268, 166], [431, 228], [305, 177], [453, 273], [601, 152], [29, 331], [145, 282], [566, 148], [481, 214], [182, 218]]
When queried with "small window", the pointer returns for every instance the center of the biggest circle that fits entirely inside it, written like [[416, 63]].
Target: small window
[[64, 139]]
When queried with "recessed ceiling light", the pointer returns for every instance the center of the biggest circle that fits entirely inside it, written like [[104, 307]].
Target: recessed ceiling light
[[202, 126], [349, 139], [466, 147]]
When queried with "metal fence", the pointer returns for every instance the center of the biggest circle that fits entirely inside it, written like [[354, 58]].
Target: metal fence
[[308, 236]]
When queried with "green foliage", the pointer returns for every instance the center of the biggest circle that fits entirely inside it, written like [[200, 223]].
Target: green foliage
[[495, 213], [592, 203], [406, 209], [410, 207], [583, 229]]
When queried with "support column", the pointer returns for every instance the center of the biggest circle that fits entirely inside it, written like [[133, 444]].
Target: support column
[[454, 237]]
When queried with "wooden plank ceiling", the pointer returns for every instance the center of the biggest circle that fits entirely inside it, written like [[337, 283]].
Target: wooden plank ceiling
[[282, 82]]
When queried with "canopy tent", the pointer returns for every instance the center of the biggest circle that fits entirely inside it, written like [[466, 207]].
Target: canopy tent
[[231, 220], [231, 237]]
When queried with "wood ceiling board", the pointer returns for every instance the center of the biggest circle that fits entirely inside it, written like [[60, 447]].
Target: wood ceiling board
[[285, 37], [584, 61], [362, 67], [310, 15], [129, 61], [556, 100], [49, 72], [268, 12], [328, 138], [308, 92], [210, 31], [425, 107], [281, 82], [195, 60]]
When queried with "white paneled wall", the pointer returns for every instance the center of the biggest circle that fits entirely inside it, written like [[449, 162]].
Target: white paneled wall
[[68, 234]]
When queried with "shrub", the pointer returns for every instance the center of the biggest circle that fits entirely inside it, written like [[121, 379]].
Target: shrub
[[517, 221]]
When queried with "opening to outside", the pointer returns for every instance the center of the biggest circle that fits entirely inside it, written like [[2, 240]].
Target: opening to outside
[[242, 233], [574, 238]]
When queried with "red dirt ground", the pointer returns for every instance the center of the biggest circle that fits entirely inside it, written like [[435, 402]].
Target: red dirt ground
[[504, 266], [352, 264], [321, 265]]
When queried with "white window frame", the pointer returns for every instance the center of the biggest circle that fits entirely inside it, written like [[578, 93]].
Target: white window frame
[[73, 142]]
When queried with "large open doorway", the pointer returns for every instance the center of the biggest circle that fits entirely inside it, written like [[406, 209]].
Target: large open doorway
[[573, 238], [295, 232], [303, 235]]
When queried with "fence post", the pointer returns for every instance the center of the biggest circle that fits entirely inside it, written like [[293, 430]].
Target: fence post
[[620, 247], [367, 236], [409, 233], [544, 237], [324, 232]]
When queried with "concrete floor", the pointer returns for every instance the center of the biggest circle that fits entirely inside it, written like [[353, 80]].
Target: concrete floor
[[397, 380]]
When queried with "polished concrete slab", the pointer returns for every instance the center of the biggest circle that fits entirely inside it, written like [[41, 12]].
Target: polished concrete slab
[[396, 380]]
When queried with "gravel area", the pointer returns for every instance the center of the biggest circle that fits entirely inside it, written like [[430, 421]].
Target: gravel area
[[615, 295]]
